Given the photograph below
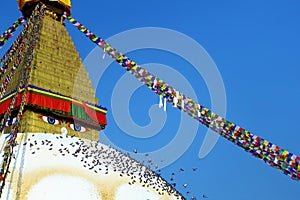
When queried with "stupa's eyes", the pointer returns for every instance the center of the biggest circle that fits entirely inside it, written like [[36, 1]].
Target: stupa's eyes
[[53, 121], [77, 128], [10, 122], [50, 120]]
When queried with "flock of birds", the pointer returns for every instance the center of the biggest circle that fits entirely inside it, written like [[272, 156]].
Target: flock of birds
[[155, 167], [101, 159]]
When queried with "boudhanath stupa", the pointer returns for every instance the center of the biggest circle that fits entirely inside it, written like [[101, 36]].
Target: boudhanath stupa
[[51, 122], [50, 119]]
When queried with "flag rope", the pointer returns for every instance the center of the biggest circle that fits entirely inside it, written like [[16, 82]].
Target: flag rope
[[270, 153], [34, 25], [9, 32]]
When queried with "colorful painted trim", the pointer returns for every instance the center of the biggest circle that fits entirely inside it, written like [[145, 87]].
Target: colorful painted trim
[[59, 104], [68, 98], [273, 155]]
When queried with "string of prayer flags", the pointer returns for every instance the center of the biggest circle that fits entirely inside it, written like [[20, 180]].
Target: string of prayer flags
[[17, 53], [34, 24], [9, 32], [8, 56], [271, 154]]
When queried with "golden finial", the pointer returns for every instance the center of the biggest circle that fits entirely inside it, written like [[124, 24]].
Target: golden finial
[[56, 6]]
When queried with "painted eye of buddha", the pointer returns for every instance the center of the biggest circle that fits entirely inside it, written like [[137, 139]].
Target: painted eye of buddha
[[10, 122], [77, 128], [50, 120]]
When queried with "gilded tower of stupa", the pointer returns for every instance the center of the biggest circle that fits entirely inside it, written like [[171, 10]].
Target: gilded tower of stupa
[[55, 154], [60, 92]]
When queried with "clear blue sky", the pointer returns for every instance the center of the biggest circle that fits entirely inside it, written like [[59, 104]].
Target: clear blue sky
[[255, 45]]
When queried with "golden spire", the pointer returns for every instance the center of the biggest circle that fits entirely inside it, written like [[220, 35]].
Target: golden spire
[[57, 6]]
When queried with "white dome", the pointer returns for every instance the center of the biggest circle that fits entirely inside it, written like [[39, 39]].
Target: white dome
[[53, 166]]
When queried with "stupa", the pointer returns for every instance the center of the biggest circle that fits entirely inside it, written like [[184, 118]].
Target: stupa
[[50, 123], [56, 154]]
